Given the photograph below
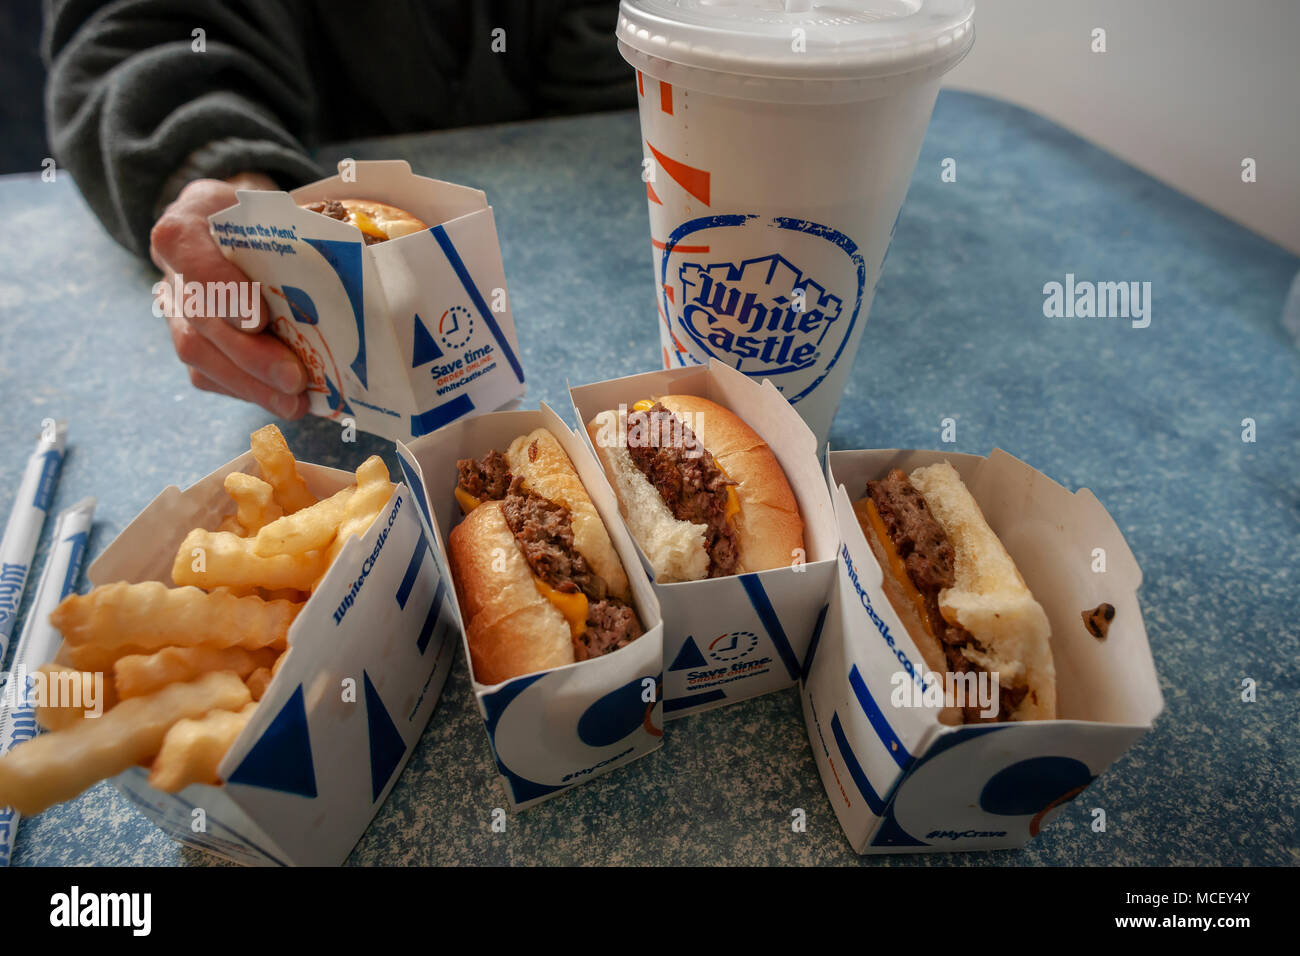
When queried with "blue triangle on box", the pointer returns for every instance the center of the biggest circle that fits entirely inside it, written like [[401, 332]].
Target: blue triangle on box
[[425, 349], [688, 656], [386, 745], [281, 758]]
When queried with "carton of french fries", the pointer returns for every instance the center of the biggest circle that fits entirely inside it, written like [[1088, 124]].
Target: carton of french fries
[[264, 650]]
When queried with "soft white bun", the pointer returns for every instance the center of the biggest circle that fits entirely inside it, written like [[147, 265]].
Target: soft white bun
[[674, 547], [512, 629], [769, 528], [990, 598], [539, 460]]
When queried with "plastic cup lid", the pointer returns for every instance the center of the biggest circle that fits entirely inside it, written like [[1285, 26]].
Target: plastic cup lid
[[801, 39]]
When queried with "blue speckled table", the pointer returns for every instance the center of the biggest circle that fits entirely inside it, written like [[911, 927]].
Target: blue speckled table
[[1149, 419]]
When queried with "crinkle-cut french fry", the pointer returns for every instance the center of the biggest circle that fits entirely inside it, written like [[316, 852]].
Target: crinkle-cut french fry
[[140, 674], [254, 500], [69, 694], [213, 559], [373, 491], [94, 658], [91, 658], [279, 468], [231, 523], [279, 661], [54, 767], [150, 615], [259, 681], [193, 749], [307, 529], [374, 488]]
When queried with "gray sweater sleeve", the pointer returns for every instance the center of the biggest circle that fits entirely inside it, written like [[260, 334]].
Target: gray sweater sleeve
[[135, 108]]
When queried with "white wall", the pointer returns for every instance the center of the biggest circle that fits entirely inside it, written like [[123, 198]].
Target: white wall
[[1185, 91]]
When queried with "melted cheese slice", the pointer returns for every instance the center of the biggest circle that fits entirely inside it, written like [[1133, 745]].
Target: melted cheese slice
[[732, 507], [467, 501], [366, 224], [866, 511], [573, 606]]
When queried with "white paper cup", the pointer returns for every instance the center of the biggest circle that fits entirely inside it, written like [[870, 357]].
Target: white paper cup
[[778, 148]]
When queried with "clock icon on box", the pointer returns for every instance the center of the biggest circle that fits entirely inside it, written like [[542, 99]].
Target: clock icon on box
[[456, 326]]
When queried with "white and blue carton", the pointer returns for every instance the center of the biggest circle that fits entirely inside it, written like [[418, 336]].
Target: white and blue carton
[[731, 638], [555, 729], [901, 781], [402, 336], [369, 654]]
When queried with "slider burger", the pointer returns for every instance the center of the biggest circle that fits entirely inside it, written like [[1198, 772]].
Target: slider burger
[[957, 591], [701, 492], [539, 581], [377, 221]]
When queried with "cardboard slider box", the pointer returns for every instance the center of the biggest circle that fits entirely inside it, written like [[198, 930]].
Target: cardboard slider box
[[319, 757], [899, 780], [731, 638], [402, 336], [555, 729]]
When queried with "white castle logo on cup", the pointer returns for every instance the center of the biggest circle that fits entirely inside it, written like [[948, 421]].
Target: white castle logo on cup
[[761, 316]]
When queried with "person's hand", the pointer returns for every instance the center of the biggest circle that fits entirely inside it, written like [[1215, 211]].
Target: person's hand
[[233, 355]]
